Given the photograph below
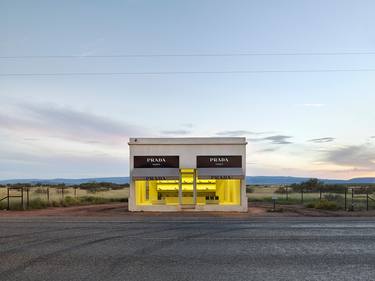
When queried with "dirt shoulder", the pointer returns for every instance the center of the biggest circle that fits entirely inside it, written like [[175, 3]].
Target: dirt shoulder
[[121, 210]]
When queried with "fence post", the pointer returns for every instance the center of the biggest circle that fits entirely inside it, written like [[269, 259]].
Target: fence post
[[48, 194], [8, 205], [27, 198], [286, 190], [75, 192], [320, 194], [62, 194], [352, 199], [23, 207], [302, 195], [346, 191], [366, 198]]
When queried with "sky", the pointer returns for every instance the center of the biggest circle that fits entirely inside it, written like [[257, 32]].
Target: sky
[[174, 81]]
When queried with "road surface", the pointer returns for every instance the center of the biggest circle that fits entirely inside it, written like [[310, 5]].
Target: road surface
[[187, 249]]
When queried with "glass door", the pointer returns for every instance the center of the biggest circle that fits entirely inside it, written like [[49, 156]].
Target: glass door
[[187, 188]]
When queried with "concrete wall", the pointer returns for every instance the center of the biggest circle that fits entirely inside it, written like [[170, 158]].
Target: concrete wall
[[188, 149]]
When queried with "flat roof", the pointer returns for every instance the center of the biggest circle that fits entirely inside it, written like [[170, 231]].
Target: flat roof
[[187, 141]]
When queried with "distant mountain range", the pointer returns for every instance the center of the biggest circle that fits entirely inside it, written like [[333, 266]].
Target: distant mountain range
[[117, 180], [269, 180], [260, 180]]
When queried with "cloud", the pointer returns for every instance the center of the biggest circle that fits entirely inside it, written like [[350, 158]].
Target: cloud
[[268, 149], [236, 133], [276, 139], [311, 104], [322, 140], [175, 132], [187, 125], [359, 156], [59, 164], [31, 139], [279, 139], [67, 123]]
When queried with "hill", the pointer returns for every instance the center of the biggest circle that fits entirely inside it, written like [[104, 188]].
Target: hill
[[255, 180]]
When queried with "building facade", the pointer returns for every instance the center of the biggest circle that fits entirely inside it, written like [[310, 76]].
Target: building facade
[[174, 174]]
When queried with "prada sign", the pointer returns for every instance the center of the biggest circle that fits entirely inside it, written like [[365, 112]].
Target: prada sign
[[222, 161], [221, 177], [156, 178], [156, 162]]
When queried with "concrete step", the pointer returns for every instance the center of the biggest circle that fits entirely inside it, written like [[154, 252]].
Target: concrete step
[[187, 206]]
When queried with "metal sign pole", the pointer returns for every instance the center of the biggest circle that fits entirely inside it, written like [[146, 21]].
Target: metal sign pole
[[274, 198], [194, 187], [180, 189]]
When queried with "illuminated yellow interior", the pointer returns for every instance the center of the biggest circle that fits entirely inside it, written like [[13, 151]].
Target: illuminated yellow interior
[[166, 192]]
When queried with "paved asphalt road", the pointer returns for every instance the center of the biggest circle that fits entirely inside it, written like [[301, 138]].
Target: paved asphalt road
[[187, 249]]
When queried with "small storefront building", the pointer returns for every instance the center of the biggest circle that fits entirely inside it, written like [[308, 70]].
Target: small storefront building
[[197, 174]]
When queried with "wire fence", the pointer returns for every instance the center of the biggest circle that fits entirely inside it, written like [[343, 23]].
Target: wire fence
[[355, 198], [35, 197]]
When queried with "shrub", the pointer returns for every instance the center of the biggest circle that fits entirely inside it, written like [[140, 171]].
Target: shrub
[[326, 205], [38, 204], [120, 186], [3, 206], [119, 199], [40, 190], [100, 200], [249, 189], [69, 201], [94, 200], [55, 204], [281, 190], [310, 205]]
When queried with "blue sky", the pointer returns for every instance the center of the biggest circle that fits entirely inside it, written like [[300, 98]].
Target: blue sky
[[298, 124]]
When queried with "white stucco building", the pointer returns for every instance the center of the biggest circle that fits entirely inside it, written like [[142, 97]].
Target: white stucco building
[[174, 174]]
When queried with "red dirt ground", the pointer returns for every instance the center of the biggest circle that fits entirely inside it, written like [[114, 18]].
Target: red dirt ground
[[121, 210]]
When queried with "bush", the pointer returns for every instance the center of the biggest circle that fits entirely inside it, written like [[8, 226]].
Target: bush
[[119, 199], [249, 189], [70, 201], [94, 200], [323, 205], [310, 205], [38, 204], [55, 204], [281, 190], [326, 205], [3, 206], [13, 206], [120, 186], [40, 190]]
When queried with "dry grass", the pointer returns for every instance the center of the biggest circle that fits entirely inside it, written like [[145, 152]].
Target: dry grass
[[39, 194]]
